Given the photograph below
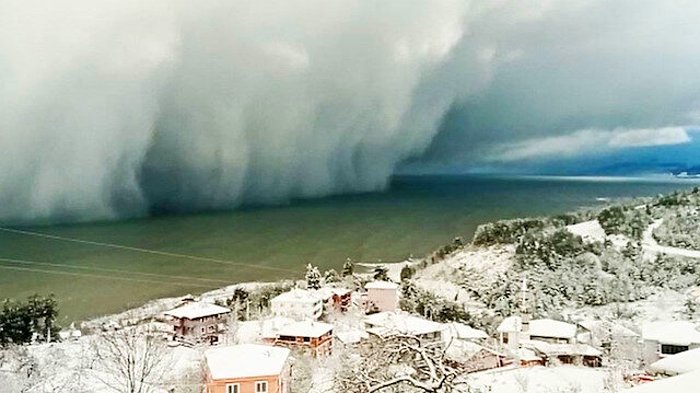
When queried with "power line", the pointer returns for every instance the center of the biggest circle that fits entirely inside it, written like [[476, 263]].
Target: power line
[[144, 250], [90, 275], [108, 270]]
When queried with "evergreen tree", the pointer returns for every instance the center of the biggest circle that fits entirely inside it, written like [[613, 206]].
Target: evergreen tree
[[381, 273], [407, 272], [20, 321], [313, 277], [331, 276], [690, 307], [348, 268]]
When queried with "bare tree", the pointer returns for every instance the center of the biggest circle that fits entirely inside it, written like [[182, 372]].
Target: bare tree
[[399, 364], [130, 361]]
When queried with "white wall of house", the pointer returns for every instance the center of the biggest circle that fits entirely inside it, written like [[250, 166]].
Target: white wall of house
[[653, 350], [383, 299], [298, 305]]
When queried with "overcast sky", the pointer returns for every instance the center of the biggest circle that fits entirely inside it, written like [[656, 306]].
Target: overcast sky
[[112, 108]]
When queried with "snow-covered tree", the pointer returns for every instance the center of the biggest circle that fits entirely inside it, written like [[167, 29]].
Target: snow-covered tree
[[313, 277], [398, 364], [331, 276], [348, 268], [130, 361]]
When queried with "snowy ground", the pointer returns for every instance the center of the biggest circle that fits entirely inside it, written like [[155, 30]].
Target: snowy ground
[[156, 307], [481, 264], [666, 305], [562, 379]]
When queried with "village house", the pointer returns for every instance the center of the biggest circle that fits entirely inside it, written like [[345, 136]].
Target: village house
[[665, 338], [298, 304], [335, 299], [679, 363], [311, 337], [460, 331], [610, 336], [197, 321], [382, 296], [386, 324], [601, 333], [523, 357], [471, 357], [579, 354], [248, 368], [513, 330]]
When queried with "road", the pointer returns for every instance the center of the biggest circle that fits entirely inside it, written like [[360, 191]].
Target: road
[[650, 244]]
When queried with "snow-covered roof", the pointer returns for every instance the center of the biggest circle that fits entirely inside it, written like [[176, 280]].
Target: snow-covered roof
[[245, 360], [688, 382], [297, 295], [269, 327], [465, 350], [510, 324], [671, 332], [466, 332], [527, 355], [679, 363], [404, 323], [305, 329], [550, 349], [588, 230], [551, 328], [539, 327], [351, 336], [328, 292], [195, 310], [381, 285], [616, 329]]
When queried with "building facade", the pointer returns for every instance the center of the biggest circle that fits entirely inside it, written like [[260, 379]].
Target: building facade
[[298, 304], [382, 296], [311, 337]]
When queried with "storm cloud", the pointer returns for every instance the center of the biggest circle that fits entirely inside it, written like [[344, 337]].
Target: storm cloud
[[119, 108]]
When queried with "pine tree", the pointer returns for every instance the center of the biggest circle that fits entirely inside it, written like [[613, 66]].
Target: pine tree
[[381, 273], [313, 277], [348, 268], [331, 276]]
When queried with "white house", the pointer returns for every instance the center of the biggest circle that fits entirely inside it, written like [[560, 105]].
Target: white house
[[665, 338], [512, 331], [460, 331], [382, 296], [679, 363], [299, 304], [388, 323]]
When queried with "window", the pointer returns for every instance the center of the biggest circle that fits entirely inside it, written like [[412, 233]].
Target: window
[[667, 349], [261, 387], [233, 388]]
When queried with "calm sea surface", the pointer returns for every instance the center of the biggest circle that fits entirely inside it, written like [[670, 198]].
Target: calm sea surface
[[415, 216]]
